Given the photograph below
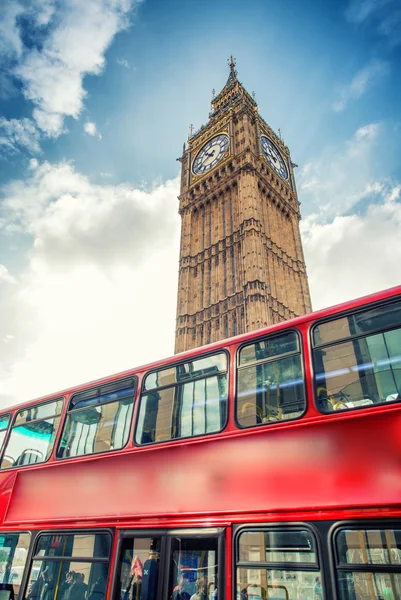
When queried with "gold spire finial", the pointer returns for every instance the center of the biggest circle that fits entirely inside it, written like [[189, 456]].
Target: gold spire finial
[[191, 130]]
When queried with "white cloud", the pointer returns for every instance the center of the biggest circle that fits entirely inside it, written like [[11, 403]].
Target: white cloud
[[354, 255], [50, 123], [90, 129], [73, 45], [123, 62], [340, 177], [42, 11], [99, 290], [10, 41], [384, 15], [18, 134], [370, 75], [33, 164], [350, 234], [5, 275]]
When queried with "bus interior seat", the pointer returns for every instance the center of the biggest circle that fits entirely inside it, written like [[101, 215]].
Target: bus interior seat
[[101, 446], [392, 397], [7, 462], [29, 456]]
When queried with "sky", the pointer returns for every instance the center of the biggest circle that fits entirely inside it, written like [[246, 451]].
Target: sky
[[96, 100]]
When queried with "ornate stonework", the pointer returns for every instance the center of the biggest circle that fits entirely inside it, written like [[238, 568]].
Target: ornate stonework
[[241, 260]]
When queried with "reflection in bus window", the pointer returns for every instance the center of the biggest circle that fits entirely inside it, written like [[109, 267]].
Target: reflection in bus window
[[276, 580], [186, 400], [4, 423], [362, 556], [32, 435], [138, 570], [13, 555], [71, 573], [364, 369], [371, 586], [193, 569], [98, 420], [270, 381]]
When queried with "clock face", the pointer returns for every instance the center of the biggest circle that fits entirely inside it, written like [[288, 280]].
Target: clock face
[[274, 157], [210, 154]]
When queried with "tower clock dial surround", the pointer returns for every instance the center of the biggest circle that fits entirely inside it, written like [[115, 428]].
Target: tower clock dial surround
[[210, 154], [274, 157]]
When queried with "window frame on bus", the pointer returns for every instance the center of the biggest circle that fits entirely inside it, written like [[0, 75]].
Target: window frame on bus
[[338, 315], [170, 365], [302, 355], [12, 426], [337, 566], [36, 535], [24, 577], [8, 414], [167, 536], [69, 410], [285, 526]]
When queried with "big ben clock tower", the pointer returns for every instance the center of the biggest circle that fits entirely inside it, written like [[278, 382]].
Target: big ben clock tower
[[241, 260]]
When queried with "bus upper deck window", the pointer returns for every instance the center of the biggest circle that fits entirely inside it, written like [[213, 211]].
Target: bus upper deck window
[[98, 419], [270, 385], [32, 435], [357, 359], [184, 400]]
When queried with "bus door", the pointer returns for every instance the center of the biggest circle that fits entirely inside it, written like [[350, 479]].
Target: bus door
[[184, 564]]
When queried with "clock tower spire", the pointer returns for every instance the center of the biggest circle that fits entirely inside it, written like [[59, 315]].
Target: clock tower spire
[[241, 259]]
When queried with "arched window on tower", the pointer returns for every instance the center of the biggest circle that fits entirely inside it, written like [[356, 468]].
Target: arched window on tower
[[210, 281], [203, 227], [225, 274], [210, 223], [203, 286], [233, 288]]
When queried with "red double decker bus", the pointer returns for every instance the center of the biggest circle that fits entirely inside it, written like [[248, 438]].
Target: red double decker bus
[[266, 466]]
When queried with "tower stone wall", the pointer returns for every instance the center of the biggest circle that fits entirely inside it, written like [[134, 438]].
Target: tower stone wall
[[241, 260]]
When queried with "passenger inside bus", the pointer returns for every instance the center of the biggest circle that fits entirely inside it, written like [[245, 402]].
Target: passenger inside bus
[[179, 592], [150, 576]]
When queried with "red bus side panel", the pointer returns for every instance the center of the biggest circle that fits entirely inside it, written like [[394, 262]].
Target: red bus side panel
[[352, 461]]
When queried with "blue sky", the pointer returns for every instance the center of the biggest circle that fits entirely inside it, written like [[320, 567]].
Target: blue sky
[[96, 99]]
